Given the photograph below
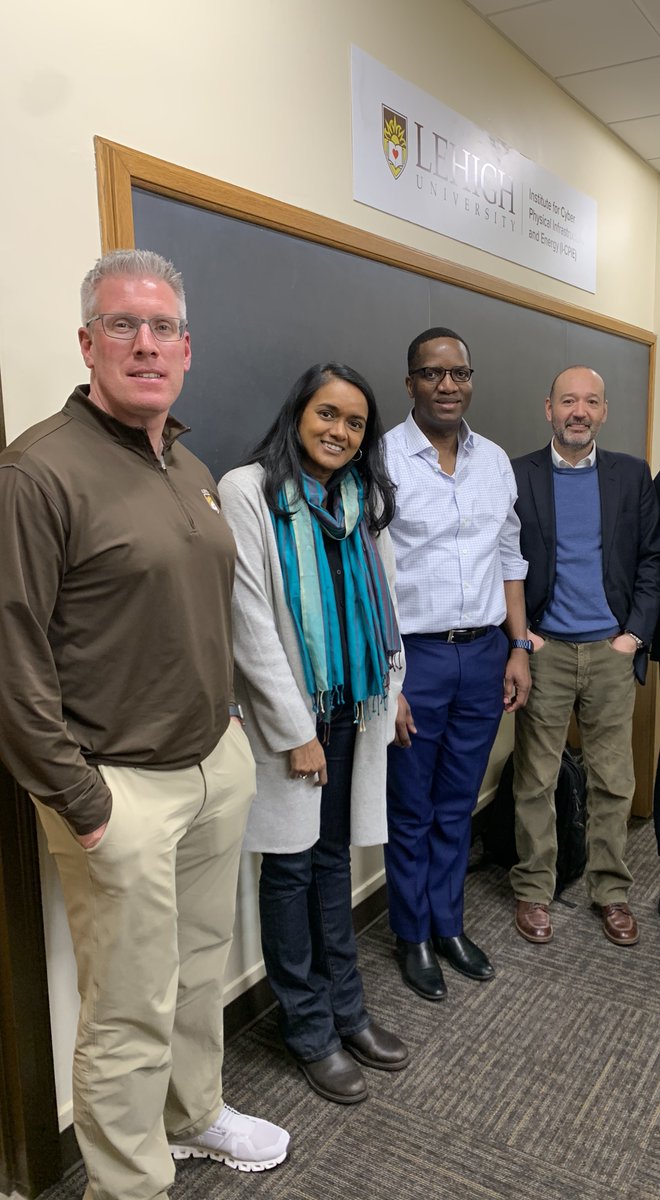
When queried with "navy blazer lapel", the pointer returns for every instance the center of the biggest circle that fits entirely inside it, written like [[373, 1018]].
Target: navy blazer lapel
[[609, 484], [542, 489]]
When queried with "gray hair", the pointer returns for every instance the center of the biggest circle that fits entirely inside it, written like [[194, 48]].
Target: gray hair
[[135, 263]]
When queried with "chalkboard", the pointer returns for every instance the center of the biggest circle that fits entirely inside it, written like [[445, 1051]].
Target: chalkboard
[[264, 304]]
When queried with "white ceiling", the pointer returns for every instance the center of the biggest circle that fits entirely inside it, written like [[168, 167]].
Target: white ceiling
[[604, 53]]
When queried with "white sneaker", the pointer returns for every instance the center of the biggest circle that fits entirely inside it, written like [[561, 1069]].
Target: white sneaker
[[244, 1143]]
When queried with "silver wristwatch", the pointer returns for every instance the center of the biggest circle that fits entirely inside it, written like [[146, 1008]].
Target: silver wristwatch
[[637, 640]]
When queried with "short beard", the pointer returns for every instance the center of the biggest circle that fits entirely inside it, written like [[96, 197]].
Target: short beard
[[561, 437]]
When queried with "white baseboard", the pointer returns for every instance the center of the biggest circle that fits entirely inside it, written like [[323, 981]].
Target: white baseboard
[[65, 1115], [368, 886]]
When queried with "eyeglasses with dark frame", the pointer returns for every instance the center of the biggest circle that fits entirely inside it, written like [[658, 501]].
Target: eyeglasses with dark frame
[[125, 326], [437, 374]]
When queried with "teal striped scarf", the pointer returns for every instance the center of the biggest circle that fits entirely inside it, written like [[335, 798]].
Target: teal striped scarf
[[372, 634]]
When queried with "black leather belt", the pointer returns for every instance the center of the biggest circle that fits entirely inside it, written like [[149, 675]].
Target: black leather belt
[[456, 635]]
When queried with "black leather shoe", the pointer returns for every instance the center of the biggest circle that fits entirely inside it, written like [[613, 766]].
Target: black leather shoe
[[336, 1077], [420, 969], [464, 956], [375, 1047]]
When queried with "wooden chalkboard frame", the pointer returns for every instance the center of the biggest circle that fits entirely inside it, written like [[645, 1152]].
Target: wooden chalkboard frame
[[119, 169]]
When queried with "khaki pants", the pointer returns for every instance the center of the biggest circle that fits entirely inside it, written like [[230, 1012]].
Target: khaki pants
[[600, 682], [151, 912]]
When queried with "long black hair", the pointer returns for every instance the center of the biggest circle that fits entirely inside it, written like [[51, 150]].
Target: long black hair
[[280, 451]]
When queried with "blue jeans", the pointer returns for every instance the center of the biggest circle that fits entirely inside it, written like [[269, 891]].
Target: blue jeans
[[307, 923]]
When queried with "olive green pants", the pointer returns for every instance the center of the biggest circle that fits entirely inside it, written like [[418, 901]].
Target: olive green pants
[[599, 681], [151, 913]]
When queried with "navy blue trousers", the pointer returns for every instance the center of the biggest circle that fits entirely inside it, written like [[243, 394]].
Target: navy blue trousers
[[305, 905], [456, 695]]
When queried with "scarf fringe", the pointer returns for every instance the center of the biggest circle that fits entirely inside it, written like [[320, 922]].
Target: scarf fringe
[[325, 702]]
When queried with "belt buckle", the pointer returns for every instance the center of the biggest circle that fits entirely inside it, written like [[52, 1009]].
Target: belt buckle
[[450, 636]]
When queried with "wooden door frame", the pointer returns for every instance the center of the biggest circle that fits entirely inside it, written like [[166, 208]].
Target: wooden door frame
[[30, 1158]]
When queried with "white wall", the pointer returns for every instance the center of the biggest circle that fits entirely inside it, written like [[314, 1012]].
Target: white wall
[[258, 95]]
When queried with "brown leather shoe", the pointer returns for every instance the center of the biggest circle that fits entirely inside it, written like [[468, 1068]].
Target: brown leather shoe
[[376, 1047], [533, 921], [336, 1077], [619, 924]]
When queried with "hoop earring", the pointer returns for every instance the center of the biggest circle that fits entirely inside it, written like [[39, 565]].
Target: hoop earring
[[358, 455]]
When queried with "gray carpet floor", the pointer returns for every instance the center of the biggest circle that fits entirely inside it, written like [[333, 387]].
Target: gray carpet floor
[[543, 1084]]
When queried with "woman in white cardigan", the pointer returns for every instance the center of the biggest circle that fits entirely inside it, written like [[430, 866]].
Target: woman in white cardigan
[[318, 673]]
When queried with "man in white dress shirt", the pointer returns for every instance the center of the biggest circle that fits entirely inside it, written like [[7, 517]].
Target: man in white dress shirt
[[460, 580]]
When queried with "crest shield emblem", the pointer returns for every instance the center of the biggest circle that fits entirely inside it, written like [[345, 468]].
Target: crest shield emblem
[[395, 140]]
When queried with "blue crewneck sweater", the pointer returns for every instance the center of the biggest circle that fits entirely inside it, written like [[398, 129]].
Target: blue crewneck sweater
[[578, 610]]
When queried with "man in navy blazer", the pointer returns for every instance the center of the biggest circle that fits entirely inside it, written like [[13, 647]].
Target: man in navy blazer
[[589, 532]]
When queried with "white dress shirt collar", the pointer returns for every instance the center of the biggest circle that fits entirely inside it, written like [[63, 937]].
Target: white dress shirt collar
[[562, 464], [417, 442]]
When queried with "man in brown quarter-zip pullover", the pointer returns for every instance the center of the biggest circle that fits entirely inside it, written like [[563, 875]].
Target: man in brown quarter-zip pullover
[[115, 640]]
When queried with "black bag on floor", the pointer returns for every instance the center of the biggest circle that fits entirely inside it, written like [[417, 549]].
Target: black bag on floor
[[498, 828]]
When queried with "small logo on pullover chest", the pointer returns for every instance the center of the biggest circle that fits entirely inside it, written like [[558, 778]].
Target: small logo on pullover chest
[[210, 500]]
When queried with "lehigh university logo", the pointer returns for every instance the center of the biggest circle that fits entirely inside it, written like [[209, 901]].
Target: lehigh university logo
[[395, 140]]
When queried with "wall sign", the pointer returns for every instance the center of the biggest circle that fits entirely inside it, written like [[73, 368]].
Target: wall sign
[[417, 159]]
